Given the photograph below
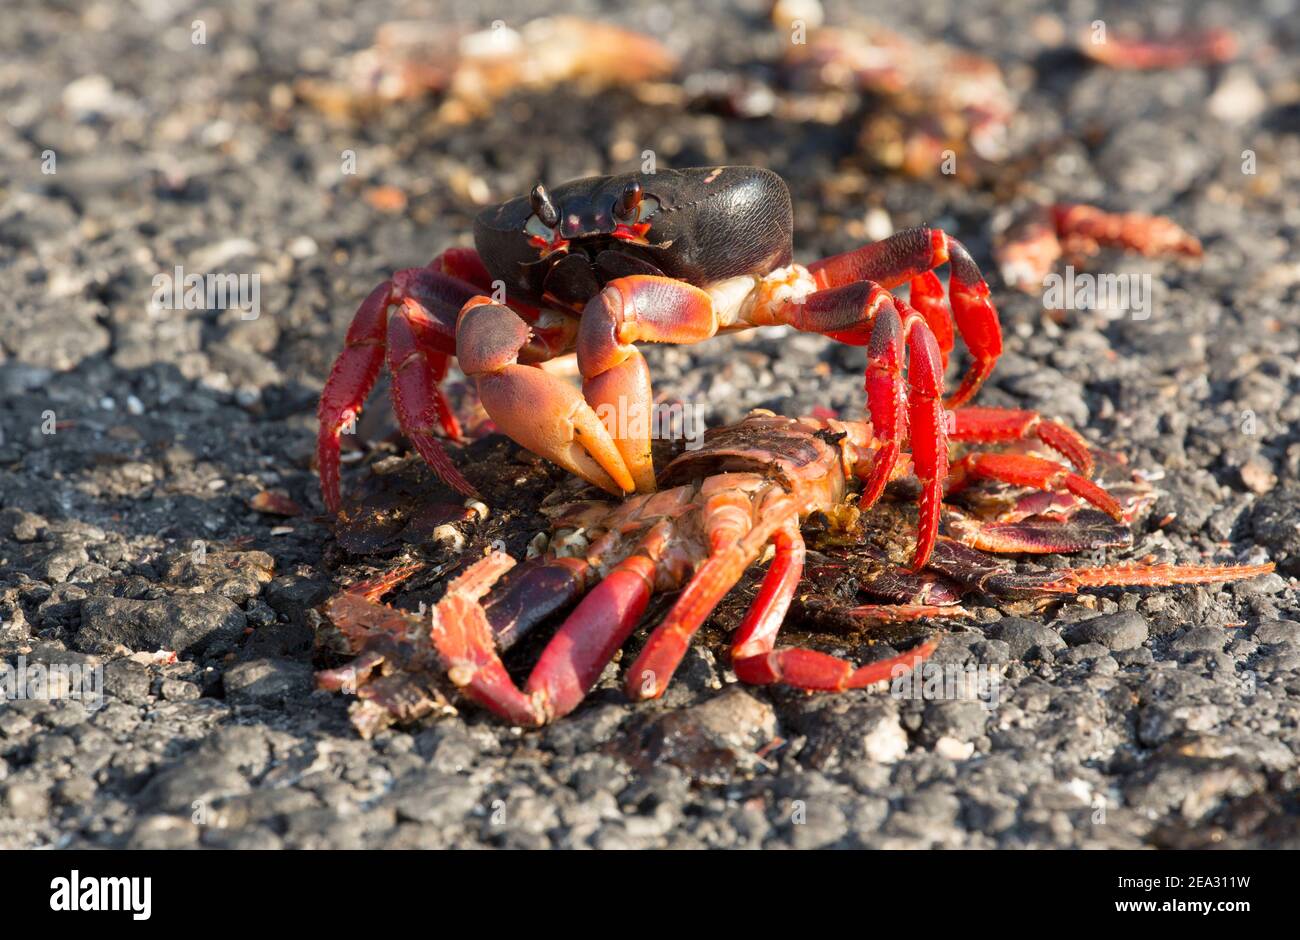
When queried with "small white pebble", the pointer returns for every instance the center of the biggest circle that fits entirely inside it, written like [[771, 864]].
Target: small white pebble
[[304, 246], [953, 749], [107, 403], [216, 484], [877, 224], [134, 405], [282, 530]]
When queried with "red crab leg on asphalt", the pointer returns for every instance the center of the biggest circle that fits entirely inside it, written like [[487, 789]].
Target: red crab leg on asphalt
[[575, 656], [996, 425], [737, 534], [349, 382], [867, 312], [429, 299], [1084, 228], [418, 368], [911, 254], [1024, 470], [1209, 47], [925, 425], [1154, 575], [1029, 248], [753, 653]]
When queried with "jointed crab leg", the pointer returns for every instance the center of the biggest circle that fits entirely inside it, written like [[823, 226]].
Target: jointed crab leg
[[757, 662], [575, 656], [738, 529], [925, 420], [911, 255], [996, 425], [1025, 470], [421, 339]]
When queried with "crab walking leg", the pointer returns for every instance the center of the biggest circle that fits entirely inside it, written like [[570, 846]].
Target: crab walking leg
[[349, 382], [753, 653], [1154, 575], [925, 423], [463, 638], [590, 636], [737, 534], [616, 381], [431, 298], [866, 312], [925, 295], [417, 369], [909, 256], [538, 410], [575, 656], [994, 425], [1024, 470]]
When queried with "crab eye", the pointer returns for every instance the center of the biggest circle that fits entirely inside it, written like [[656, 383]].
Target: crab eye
[[538, 228], [629, 202], [543, 208]]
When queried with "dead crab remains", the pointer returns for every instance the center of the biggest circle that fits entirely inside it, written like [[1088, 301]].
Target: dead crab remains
[[763, 482]]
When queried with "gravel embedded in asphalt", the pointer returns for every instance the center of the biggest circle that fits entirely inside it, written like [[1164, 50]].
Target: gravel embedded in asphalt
[[134, 439]]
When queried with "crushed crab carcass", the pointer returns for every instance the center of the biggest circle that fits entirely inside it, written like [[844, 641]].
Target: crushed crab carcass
[[473, 70], [753, 487]]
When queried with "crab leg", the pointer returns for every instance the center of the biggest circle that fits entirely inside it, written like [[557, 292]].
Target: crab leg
[[735, 539], [925, 419], [757, 662], [417, 367], [590, 636], [867, 312], [1024, 470], [349, 382], [573, 659], [993, 425], [427, 300], [1139, 575], [909, 256]]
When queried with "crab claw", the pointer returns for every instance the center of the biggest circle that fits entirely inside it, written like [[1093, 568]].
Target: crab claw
[[534, 408]]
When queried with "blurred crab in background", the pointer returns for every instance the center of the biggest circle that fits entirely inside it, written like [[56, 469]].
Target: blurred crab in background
[[752, 485]]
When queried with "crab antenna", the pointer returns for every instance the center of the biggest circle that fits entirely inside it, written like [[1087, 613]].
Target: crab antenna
[[543, 207], [629, 200]]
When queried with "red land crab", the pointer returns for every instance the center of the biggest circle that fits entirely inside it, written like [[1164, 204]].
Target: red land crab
[[750, 485], [597, 265]]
